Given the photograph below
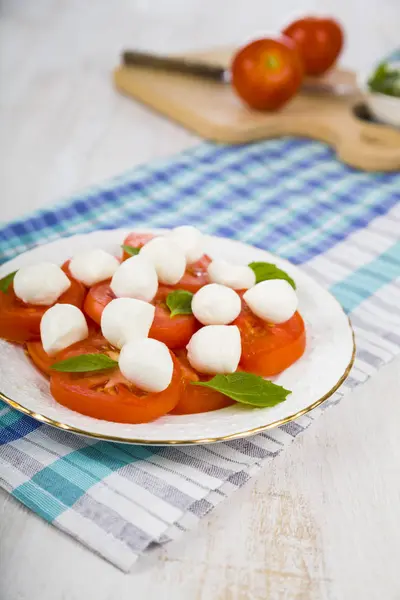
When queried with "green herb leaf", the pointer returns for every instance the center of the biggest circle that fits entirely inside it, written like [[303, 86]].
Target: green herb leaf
[[131, 250], [6, 282], [179, 302], [264, 271], [84, 363], [385, 80], [247, 388]]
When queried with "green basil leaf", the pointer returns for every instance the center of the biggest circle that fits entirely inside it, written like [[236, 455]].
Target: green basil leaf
[[6, 282], [179, 302], [84, 363], [385, 80], [131, 250], [264, 271], [247, 389]]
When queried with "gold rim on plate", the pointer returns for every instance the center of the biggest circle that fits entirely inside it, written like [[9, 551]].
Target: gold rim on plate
[[224, 438]]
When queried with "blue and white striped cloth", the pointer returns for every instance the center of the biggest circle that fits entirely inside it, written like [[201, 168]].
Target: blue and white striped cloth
[[289, 196]]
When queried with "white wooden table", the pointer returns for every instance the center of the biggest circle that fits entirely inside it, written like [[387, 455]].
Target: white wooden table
[[322, 521]]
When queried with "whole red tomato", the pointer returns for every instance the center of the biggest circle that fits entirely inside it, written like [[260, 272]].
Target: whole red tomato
[[267, 72], [319, 41]]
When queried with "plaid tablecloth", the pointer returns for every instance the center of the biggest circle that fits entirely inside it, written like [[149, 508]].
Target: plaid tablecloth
[[289, 196]]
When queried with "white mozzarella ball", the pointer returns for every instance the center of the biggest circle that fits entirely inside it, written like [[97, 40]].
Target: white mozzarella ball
[[216, 304], [126, 319], [168, 259], [215, 349], [274, 300], [237, 277], [61, 326], [93, 266], [190, 241], [147, 363], [136, 277], [40, 284]]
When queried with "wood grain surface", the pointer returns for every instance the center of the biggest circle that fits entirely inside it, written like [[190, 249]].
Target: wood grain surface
[[322, 520]]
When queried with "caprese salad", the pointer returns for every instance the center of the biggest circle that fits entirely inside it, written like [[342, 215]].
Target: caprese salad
[[164, 328]]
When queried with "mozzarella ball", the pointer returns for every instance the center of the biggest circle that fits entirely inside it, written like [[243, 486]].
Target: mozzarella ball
[[274, 300], [215, 349], [40, 284], [237, 277], [93, 266], [126, 319], [61, 326], [136, 277], [168, 259], [190, 241], [216, 304], [147, 363]]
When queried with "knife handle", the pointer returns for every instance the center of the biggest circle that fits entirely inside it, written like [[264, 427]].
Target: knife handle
[[134, 58]]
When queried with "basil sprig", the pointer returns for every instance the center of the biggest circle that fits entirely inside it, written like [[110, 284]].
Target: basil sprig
[[247, 388], [264, 271], [131, 250], [179, 302], [6, 282], [83, 363], [385, 80]]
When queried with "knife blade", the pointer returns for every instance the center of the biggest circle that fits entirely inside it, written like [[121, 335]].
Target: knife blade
[[186, 66]]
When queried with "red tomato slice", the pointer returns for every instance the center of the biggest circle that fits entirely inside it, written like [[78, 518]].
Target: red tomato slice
[[175, 331], [269, 349], [196, 276], [107, 394], [20, 322], [136, 240], [39, 357], [194, 398], [98, 296]]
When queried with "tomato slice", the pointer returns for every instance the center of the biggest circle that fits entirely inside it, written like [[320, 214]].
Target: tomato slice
[[107, 394], [269, 349], [98, 296], [136, 240], [20, 322], [175, 331], [195, 276], [194, 398], [39, 357]]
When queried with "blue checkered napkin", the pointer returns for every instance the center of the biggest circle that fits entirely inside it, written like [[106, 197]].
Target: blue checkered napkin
[[289, 196]]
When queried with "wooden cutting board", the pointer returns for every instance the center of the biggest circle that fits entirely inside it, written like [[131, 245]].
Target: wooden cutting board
[[212, 110]]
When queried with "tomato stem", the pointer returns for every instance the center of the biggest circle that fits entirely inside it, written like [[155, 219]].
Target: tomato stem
[[272, 62]]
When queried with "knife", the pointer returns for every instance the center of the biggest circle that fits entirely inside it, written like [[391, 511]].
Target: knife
[[186, 66], [217, 73]]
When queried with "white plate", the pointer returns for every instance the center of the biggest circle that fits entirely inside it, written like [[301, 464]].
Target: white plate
[[313, 378]]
